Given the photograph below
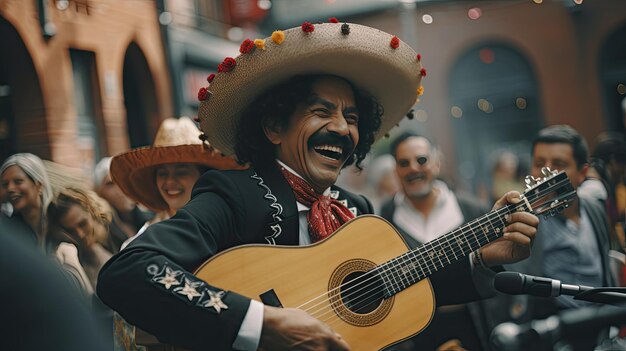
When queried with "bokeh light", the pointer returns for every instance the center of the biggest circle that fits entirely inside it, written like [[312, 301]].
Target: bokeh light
[[421, 116], [485, 106], [456, 112], [474, 13]]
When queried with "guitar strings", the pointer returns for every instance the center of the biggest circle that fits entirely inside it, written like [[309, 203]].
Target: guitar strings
[[420, 250], [435, 244], [377, 288], [489, 216], [539, 195]]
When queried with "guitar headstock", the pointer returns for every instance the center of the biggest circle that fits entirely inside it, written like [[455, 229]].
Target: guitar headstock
[[549, 194]]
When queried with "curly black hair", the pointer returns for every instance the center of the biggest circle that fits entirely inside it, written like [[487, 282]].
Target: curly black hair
[[277, 104]]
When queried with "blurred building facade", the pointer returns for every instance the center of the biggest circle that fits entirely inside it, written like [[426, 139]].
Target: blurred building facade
[[80, 79], [198, 36], [498, 71]]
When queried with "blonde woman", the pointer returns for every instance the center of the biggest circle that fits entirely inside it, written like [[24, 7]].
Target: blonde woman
[[26, 187], [78, 216]]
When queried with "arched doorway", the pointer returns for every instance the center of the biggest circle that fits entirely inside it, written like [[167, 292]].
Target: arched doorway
[[495, 108], [612, 70], [23, 125], [142, 115]]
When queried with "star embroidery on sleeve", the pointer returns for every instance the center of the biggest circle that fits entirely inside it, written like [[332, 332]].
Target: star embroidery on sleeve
[[190, 289], [170, 278], [215, 301]]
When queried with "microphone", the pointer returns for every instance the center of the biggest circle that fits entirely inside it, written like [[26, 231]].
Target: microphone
[[514, 283]]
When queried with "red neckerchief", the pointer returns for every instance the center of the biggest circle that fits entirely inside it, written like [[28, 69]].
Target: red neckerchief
[[326, 214]]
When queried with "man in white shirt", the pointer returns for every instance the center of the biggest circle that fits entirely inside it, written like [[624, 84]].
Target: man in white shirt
[[424, 210]]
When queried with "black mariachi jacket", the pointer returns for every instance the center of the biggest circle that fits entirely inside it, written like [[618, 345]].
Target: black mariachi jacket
[[149, 283]]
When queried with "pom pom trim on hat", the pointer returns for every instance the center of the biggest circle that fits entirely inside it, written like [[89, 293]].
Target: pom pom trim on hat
[[278, 36], [203, 94], [395, 42], [260, 43], [227, 65], [308, 27], [345, 29], [246, 46]]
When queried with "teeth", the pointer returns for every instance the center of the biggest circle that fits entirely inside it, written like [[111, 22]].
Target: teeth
[[332, 148], [174, 192]]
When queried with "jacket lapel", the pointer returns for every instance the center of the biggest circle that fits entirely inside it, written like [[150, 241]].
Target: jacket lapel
[[282, 228]]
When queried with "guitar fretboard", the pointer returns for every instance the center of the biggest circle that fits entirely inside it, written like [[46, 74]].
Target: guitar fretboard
[[421, 262]]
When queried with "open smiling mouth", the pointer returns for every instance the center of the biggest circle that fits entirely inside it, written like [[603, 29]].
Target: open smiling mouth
[[415, 177], [329, 151]]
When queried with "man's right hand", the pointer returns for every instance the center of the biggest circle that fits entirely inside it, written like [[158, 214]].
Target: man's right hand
[[294, 329]]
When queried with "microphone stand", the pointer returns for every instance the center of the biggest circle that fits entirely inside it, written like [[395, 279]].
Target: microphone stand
[[573, 327], [609, 296]]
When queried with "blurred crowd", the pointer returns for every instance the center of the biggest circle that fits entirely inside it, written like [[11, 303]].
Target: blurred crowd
[[74, 224]]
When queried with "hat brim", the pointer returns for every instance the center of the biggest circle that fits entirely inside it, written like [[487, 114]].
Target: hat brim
[[364, 57], [134, 171]]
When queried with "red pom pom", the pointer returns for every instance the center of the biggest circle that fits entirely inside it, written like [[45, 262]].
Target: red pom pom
[[308, 27], [395, 42], [246, 46], [203, 93], [333, 20], [423, 72], [419, 57], [210, 78], [227, 65]]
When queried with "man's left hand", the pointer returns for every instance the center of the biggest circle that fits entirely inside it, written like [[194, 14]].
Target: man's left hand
[[518, 235]]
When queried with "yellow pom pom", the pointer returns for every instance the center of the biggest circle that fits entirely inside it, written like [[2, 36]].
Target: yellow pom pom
[[420, 91], [260, 43], [278, 37]]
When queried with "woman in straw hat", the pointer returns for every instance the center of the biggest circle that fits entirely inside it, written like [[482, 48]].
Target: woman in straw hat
[[162, 176], [299, 106]]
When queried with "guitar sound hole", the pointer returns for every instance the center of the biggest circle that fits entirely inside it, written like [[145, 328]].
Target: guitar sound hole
[[362, 292]]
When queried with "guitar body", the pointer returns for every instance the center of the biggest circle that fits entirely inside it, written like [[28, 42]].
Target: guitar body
[[308, 277]]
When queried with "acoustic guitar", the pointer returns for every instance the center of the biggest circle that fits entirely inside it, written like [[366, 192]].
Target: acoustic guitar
[[362, 281]]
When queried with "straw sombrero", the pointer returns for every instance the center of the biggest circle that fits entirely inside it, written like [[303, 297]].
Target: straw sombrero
[[176, 141], [374, 61]]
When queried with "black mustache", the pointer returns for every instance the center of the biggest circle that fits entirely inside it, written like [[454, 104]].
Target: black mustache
[[329, 138]]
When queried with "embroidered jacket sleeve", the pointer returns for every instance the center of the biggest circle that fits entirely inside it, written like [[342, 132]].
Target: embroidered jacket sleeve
[[150, 282]]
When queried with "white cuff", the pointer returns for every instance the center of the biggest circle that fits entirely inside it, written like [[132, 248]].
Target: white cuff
[[249, 334]]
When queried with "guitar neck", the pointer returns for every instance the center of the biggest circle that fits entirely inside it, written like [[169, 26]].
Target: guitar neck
[[421, 262]]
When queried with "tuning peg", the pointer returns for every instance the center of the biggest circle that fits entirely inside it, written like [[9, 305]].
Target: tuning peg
[[530, 181], [547, 172]]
